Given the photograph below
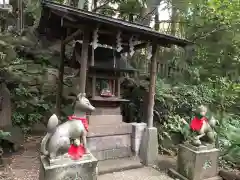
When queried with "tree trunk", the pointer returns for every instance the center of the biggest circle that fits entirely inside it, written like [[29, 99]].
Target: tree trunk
[[174, 18], [149, 11], [130, 18], [157, 25], [94, 4]]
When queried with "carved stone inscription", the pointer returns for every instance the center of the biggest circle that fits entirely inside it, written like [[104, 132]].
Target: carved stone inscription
[[74, 172], [207, 164]]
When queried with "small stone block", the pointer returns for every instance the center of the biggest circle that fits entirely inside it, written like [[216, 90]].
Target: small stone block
[[197, 163], [83, 169], [149, 146]]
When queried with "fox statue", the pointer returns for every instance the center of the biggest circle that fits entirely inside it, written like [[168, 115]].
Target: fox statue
[[58, 136], [204, 126]]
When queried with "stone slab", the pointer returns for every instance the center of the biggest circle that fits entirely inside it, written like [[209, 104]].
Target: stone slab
[[109, 142], [149, 146], [120, 164], [197, 164], [145, 173], [173, 173], [113, 153], [96, 120], [109, 130], [77, 170]]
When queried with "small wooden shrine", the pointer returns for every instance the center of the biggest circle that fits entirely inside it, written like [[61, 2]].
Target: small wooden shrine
[[101, 68], [103, 85], [105, 70]]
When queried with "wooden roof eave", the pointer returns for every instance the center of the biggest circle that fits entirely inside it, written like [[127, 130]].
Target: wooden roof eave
[[123, 25]]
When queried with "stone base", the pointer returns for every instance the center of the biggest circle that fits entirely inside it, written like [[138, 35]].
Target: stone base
[[176, 175], [149, 146], [83, 169], [196, 163]]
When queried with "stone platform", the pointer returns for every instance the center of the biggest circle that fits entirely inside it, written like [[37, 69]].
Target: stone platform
[[196, 163], [83, 169]]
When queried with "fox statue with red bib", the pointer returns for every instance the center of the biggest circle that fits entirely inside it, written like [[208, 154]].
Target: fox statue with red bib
[[59, 137], [203, 126]]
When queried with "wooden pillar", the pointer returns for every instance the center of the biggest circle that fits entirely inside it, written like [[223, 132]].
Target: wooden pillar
[[93, 57], [118, 88], [93, 86], [84, 60], [152, 86], [60, 80]]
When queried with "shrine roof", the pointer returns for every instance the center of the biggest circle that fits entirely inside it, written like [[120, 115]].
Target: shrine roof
[[53, 15]]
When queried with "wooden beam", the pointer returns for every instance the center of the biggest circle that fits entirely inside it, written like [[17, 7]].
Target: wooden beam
[[69, 24], [152, 86], [94, 86], [60, 81], [72, 36], [65, 16], [84, 60], [93, 56], [118, 88], [113, 33]]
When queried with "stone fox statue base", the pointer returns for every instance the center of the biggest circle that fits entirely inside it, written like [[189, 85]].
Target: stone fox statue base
[[58, 136]]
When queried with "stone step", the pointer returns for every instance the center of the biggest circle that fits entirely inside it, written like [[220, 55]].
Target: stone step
[[123, 152], [117, 165]]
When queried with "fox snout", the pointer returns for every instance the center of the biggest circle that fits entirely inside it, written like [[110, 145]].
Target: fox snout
[[92, 108]]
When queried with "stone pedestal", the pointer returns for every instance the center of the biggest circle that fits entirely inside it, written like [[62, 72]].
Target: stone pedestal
[[136, 137], [149, 146], [83, 169], [108, 136], [196, 163]]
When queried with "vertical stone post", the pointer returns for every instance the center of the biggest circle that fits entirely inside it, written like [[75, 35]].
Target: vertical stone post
[[149, 145]]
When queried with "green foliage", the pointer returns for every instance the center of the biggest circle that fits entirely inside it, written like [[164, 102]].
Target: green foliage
[[28, 107], [229, 139], [24, 77]]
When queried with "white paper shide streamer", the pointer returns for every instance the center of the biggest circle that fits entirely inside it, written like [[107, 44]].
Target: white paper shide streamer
[[119, 42], [95, 39], [131, 46], [149, 51]]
